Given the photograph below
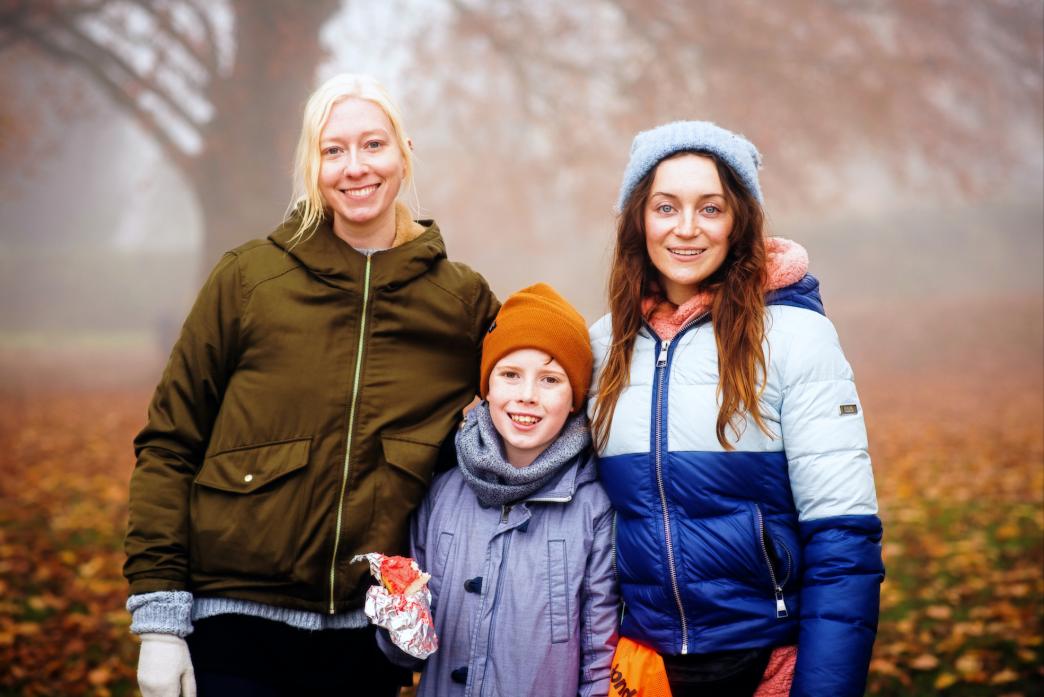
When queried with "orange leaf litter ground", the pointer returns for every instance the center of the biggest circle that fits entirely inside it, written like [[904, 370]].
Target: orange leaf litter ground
[[956, 438]]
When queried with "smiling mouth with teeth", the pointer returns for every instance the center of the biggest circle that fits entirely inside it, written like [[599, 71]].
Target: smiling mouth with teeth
[[524, 419], [688, 252], [361, 192]]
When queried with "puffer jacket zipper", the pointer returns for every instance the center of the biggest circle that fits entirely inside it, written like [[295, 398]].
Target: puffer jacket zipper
[[777, 587], [659, 398], [351, 428]]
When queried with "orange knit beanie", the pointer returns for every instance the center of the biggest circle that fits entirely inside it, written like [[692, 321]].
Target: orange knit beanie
[[538, 317]]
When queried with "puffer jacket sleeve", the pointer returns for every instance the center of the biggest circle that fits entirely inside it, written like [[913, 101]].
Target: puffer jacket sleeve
[[600, 607], [826, 446], [170, 448]]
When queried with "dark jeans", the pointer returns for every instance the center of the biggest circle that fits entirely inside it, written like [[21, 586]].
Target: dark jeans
[[723, 674], [241, 656]]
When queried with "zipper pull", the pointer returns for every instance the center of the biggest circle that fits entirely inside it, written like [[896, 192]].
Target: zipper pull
[[781, 607], [504, 511], [662, 359]]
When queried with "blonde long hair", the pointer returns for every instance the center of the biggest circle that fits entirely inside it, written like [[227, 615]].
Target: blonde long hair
[[307, 201]]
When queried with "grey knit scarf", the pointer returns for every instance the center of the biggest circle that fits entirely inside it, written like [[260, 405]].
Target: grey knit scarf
[[495, 481]]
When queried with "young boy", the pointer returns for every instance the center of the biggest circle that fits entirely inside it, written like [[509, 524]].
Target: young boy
[[518, 538]]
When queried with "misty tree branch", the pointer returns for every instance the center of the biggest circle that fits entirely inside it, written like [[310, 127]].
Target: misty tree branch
[[93, 52], [510, 52], [116, 91], [163, 20], [11, 20], [211, 38]]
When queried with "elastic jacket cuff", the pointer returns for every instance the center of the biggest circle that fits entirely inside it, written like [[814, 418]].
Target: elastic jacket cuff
[[163, 612]]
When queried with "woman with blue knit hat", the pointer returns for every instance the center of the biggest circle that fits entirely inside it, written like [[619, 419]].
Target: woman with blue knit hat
[[732, 443]]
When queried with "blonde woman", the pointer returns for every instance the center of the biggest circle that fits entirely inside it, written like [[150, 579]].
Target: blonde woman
[[298, 423]]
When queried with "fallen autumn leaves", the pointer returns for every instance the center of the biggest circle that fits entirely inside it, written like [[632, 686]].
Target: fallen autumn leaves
[[960, 482]]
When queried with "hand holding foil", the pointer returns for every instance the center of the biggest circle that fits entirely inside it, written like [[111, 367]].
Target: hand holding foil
[[401, 604]]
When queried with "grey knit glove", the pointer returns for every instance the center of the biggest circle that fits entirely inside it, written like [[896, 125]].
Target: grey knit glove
[[165, 667]]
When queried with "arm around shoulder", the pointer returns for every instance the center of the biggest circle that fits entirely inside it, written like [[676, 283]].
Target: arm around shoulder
[[486, 306]]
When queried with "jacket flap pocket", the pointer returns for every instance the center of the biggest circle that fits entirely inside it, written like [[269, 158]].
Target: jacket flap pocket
[[412, 457], [244, 470]]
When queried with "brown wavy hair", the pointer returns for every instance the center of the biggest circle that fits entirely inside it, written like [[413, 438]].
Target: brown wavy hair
[[738, 309]]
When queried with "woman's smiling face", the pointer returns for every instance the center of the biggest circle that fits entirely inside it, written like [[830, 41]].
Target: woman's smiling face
[[687, 224], [361, 168]]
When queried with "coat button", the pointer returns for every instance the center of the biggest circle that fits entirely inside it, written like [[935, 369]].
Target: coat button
[[460, 675], [248, 478], [473, 585]]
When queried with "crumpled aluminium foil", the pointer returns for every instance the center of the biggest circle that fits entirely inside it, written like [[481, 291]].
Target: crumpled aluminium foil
[[406, 617]]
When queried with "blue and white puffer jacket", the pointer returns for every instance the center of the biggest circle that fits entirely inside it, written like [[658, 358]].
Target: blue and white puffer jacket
[[775, 542]]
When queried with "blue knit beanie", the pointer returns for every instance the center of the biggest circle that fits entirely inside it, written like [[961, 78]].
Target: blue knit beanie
[[650, 147]]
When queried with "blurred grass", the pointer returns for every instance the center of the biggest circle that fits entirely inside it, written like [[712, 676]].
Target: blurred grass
[[45, 340]]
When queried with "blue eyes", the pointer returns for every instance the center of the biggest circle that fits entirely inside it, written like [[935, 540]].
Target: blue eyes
[[667, 209], [369, 146]]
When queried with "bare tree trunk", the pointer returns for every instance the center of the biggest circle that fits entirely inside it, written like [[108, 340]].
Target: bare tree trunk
[[242, 176]]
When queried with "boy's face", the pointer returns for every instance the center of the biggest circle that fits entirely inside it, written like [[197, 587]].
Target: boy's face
[[529, 399]]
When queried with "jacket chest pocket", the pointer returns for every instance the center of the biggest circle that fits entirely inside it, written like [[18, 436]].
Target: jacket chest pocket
[[558, 589], [246, 508]]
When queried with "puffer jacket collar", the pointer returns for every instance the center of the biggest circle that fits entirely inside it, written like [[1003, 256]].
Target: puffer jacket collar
[[337, 263]]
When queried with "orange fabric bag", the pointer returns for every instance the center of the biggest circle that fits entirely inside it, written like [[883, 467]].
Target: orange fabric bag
[[637, 671]]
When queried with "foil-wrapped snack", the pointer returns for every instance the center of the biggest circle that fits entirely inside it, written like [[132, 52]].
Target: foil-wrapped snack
[[402, 603]]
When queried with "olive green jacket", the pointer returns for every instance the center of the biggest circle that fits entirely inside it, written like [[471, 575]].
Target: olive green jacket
[[299, 418]]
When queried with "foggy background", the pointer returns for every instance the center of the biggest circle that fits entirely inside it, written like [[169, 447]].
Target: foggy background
[[902, 146]]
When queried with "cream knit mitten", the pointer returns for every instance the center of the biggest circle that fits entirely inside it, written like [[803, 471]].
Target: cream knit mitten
[[165, 667]]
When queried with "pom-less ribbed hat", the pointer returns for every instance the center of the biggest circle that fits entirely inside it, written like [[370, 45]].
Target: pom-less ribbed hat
[[538, 317], [652, 146]]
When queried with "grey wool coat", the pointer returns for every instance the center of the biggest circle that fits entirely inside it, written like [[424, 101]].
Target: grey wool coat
[[524, 597]]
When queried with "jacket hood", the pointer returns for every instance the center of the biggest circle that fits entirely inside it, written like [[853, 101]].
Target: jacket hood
[[419, 246], [803, 293]]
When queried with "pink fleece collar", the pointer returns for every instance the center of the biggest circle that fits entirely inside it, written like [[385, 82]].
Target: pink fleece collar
[[787, 264]]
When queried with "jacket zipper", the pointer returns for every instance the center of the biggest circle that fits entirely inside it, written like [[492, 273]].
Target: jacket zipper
[[351, 428], [781, 607], [505, 510], [661, 364], [661, 370], [612, 547]]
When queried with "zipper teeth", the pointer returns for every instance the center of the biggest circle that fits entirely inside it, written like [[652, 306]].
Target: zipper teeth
[[666, 515], [351, 428], [764, 550], [612, 546]]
